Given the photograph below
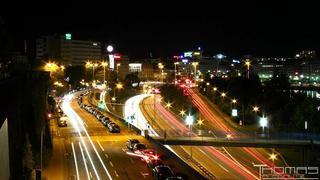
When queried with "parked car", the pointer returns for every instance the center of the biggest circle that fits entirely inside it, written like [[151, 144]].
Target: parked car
[[162, 172], [139, 147], [62, 122], [114, 128], [131, 143]]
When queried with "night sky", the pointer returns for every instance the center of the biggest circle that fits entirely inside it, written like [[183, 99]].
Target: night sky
[[235, 29]]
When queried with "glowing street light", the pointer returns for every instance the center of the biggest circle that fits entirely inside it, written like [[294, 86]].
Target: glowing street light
[[273, 157], [182, 112], [119, 86], [255, 109], [109, 48], [51, 66], [113, 99], [234, 101], [215, 89], [200, 122], [104, 65], [247, 63], [223, 94], [168, 105], [195, 64], [175, 70], [263, 122]]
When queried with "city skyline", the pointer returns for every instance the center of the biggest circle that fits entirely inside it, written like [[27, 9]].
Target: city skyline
[[260, 29]]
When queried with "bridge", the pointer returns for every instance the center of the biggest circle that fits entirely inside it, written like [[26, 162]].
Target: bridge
[[234, 142]]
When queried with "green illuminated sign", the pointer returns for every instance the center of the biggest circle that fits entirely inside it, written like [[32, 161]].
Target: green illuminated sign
[[68, 36]]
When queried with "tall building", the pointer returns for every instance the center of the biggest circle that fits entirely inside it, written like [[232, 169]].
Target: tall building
[[67, 51]]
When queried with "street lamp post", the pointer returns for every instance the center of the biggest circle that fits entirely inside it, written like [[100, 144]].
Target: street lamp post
[[175, 71], [118, 64], [247, 63], [104, 64], [160, 66], [189, 121], [195, 64], [263, 123]]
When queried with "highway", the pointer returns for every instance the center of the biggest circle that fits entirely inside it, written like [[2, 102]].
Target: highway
[[87, 150], [215, 160]]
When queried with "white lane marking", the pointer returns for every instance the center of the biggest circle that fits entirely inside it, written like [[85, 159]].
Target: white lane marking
[[100, 145], [85, 162], [223, 167], [106, 155], [111, 164], [144, 174], [115, 172], [75, 161], [75, 119], [85, 124]]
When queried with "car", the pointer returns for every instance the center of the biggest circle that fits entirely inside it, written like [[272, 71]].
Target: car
[[62, 122], [162, 172], [174, 178], [110, 124], [131, 143], [150, 153], [114, 129], [106, 121], [139, 147], [99, 116]]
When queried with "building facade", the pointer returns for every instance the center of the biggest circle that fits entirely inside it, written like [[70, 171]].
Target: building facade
[[65, 50]]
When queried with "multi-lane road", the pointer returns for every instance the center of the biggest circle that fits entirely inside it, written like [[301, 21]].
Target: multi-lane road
[[222, 163], [87, 150]]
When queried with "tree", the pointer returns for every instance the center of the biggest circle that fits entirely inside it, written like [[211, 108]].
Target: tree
[[75, 74], [131, 78]]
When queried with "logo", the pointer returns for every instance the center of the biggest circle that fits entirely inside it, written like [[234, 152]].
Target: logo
[[278, 172]]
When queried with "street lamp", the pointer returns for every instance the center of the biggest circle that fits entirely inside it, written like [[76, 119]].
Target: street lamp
[[247, 63], [189, 121], [195, 64], [118, 64], [273, 157], [263, 122], [215, 89], [168, 105], [182, 112], [161, 66], [175, 71], [104, 65], [109, 48], [234, 101], [223, 94], [255, 109]]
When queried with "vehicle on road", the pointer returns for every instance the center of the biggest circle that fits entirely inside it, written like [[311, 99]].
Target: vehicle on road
[[162, 172], [131, 143], [62, 122], [139, 147], [114, 129], [152, 163]]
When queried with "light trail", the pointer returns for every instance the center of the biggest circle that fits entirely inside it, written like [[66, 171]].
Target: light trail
[[75, 161], [75, 120], [84, 161], [202, 107], [132, 109]]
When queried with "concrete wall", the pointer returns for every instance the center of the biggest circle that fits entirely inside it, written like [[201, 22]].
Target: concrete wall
[[4, 152]]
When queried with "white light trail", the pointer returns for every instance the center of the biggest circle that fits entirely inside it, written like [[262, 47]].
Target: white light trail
[[132, 109], [75, 161], [84, 161], [75, 120]]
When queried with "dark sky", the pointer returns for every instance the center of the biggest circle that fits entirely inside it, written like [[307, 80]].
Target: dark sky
[[262, 29]]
